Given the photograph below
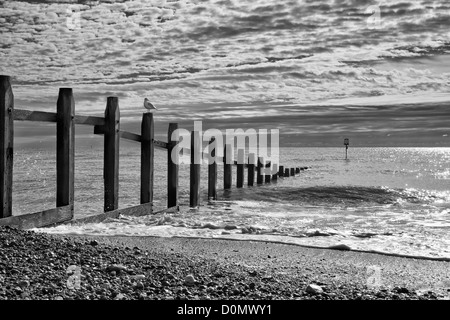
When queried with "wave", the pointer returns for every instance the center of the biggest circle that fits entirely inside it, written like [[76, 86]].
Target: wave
[[344, 196]]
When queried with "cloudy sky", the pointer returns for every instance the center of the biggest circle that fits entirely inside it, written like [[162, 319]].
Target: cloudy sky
[[377, 72]]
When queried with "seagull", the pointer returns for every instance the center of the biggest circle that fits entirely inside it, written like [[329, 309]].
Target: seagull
[[148, 105]]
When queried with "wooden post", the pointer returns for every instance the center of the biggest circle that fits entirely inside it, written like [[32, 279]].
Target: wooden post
[[281, 171], [6, 146], [111, 156], [196, 151], [172, 166], [297, 170], [259, 176], [65, 148], [251, 170], [212, 171], [292, 172], [240, 168], [275, 175], [286, 172], [227, 170], [147, 157], [267, 177]]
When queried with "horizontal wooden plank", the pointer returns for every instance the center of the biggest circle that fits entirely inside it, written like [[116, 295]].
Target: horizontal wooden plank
[[137, 211], [39, 219], [41, 116], [130, 136], [160, 144], [27, 115], [88, 120]]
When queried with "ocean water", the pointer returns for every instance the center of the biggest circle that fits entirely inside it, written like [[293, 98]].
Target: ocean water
[[392, 200]]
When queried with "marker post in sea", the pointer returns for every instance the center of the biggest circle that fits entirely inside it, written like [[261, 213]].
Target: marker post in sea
[[346, 144]]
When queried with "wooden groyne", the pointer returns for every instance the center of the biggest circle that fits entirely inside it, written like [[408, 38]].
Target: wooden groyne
[[109, 126]]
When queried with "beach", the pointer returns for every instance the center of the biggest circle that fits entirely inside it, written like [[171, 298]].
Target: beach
[[39, 266]]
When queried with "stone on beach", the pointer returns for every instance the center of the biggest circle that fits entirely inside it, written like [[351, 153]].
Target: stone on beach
[[117, 268], [314, 289], [189, 280]]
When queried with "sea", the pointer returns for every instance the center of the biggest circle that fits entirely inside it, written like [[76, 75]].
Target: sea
[[389, 200]]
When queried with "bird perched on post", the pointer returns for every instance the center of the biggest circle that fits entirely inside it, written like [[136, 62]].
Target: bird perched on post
[[148, 105]]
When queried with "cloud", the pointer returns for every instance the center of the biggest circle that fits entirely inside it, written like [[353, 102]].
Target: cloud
[[191, 55]]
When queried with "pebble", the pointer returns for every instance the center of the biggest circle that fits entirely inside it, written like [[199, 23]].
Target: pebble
[[314, 289], [117, 268], [138, 277], [24, 284], [189, 280], [139, 286], [119, 297], [93, 243]]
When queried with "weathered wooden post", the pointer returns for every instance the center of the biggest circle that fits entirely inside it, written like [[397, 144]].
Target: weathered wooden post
[[6, 146], [65, 148], [292, 172], [111, 154], [267, 177], [240, 168], [212, 171], [259, 176], [297, 170], [281, 171], [227, 170], [147, 157], [251, 170], [274, 169], [172, 166], [286, 173], [196, 153]]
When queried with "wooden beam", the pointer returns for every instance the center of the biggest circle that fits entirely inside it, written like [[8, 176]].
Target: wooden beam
[[40, 116], [275, 175], [267, 177], [6, 146], [111, 154], [132, 137], [135, 211], [251, 170], [212, 171], [240, 168], [227, 170], [281, 171], [39, 219], [196, 156], [259, 175], [292, 172], [147, 157], [172, 166], [65, 148], [286, 173], [160, 144], [89, 120], [297, 170]]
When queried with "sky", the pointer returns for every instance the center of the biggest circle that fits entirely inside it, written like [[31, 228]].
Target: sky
[[377, 72]]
